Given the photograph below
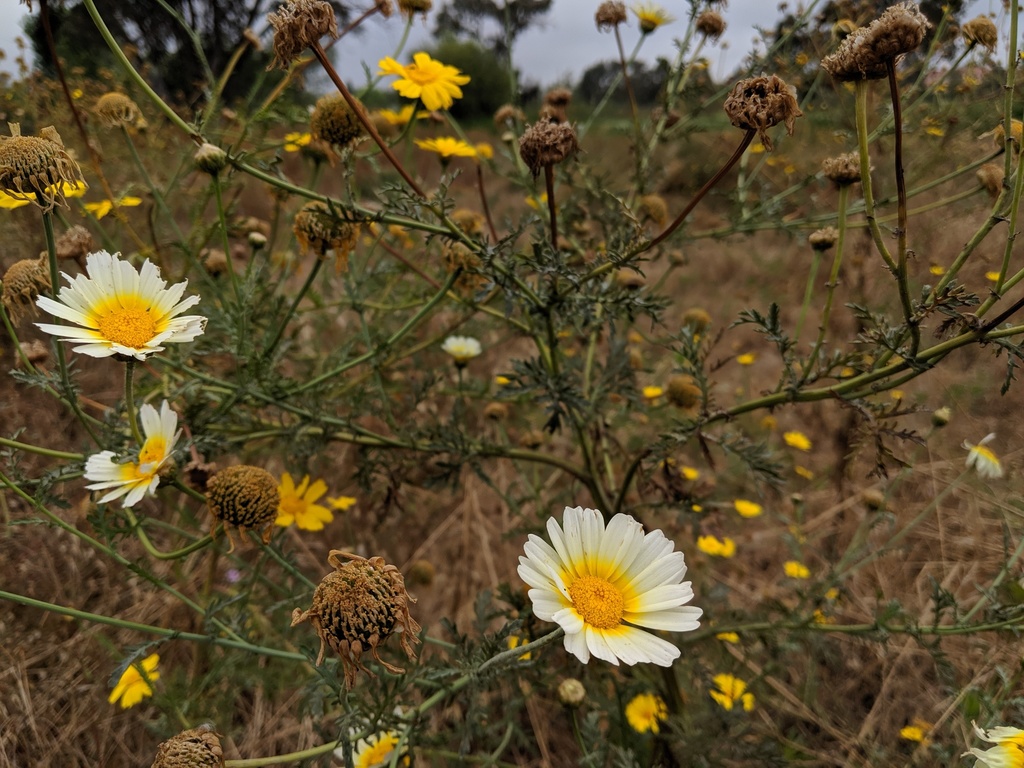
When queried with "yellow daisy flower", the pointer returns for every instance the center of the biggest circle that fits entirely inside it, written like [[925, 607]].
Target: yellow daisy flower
[[462, 348], [101, 209], [376, 751], [653, 393], [689, 473], [711, 545], [401, 117], [651, 16], [746, 358], [913, 732], [645, 711], [341, 502], [484, 150], [603, 585], [447, 147], [298, 505], [993, 276], [514, 641], [136, 478], [728, 637], [136, 682], [747, 508], [293, 142], [797, 440], [731, 691], [434, 83], [121, 311], [796, 570], [10, 202]]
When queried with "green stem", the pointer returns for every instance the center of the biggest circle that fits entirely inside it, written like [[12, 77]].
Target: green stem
[[41, 451], [222, 220], [865, 173], [808, 293], [275, 340], [129, 401], [833, 281], [148, 545]]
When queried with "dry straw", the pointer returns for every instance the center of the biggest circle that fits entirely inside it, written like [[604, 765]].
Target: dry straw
[[867, 53], [356, 608]]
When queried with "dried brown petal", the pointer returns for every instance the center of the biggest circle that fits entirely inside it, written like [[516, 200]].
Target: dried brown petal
[[758, 103], [865, 54], [298, 25], [115, 110], [34, 167], [546, 143], [610, 14], [980, 31], [842, 170]]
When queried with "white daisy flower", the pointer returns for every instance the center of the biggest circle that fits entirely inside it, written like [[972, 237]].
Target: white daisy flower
[[1009, 749], [136, 479], [120, 310], [462, 348], [982, 459], [601, 585], [374, 751]]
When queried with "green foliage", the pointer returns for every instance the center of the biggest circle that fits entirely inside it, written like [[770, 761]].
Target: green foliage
[[490, 86]]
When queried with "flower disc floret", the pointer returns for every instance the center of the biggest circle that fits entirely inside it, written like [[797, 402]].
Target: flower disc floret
[[607, 585], [195, 748], [118, 310], [434, 83]]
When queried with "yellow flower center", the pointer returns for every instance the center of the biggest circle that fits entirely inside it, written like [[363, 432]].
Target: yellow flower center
[[154, 450], [598, 601], [985, 454], [293, 505], [129, 326], [422, 75], [379, 753]]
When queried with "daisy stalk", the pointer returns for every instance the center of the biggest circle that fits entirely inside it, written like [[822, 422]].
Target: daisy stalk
[[833, 282]]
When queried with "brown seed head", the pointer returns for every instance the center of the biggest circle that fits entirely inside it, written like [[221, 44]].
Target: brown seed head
[[873, 498], [298, 25], [210, 158], [865, 54], [410, 7], [558, 97], [823, 239], [990, 176], [842, 170], [468, 220], [356, 608], [532, 439], [980, 31], [496, 411], [33, 167], [115, 110], [683, 391], [215, 261], [245, 497], [758, 103], [629, 279], [571, 692], [698, 319], [508, 115], [22, 284], [546, 143], [422, 573], [655, 208], [551, 113], [334, 121], [711, 24], [319, 230], [76, 243], [194, 748], [609, 15]]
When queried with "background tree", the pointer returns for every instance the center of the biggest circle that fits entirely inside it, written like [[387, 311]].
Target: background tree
[[495, 24], [491, 85]]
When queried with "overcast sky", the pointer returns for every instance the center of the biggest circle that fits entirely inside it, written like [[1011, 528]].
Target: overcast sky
[[558, 48]]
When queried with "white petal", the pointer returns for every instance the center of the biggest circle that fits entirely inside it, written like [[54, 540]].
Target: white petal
[[683, 619], [599, 647], [661, 597], [633, 645], [576, 644]]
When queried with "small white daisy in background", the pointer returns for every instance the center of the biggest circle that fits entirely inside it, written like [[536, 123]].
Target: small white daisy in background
[[374, 751], [462, 349], [136, 479], [601, 585], [1006, 754], [120, 310], [982, 459]]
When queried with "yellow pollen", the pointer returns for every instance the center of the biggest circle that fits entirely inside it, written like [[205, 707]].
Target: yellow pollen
[[294, 505], [598, 601], [154, 450], [129, 326]]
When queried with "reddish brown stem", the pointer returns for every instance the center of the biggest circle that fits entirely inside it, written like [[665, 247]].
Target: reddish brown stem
[[357, 109], [549, 184], [747, 138]]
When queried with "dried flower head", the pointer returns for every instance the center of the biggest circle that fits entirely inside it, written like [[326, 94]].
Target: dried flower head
[[35, 168], [469, 221], [866, 53], [697, 319], [711, 24], [76, 243], [654, 208], [194, 748], [558, 97], [508, 115], [22, 284], [842, 170], [546, 143], [116, 110], [980, 31], [609, 15], [335, 122], [410, 7], [496, 411], [571, 692], [823, 239], [356, 608], [298, 25], [758, 103], [629, 279], [245, 497], [990, 176], [684, 392], [210, 158], [319, 230], [214, 261]]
